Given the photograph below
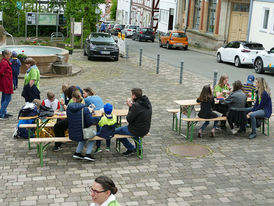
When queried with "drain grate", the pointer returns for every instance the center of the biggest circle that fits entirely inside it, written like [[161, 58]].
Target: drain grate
[[189, 150]]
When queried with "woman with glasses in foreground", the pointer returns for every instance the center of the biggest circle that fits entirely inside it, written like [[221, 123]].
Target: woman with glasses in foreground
[[103, 192]]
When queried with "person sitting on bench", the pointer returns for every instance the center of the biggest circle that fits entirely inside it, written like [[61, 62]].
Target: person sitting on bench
[[139, 119]]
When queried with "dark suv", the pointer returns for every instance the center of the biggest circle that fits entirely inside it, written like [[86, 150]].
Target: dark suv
[[144, 34]]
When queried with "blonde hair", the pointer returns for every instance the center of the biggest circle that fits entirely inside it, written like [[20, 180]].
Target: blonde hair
[[77, 95], [262, 86], [221, 80]]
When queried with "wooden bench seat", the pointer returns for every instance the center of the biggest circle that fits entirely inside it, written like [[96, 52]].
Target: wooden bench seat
[[43, 143]]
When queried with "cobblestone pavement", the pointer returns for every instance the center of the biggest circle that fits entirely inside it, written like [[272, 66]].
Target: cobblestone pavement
[[238, 172]]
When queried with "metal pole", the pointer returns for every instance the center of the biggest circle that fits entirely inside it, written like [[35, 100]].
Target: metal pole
[[126, 51], [18, 22], [215, 78], [82, 33], [140, 58], [37, 17], [181, 71], [158, 64]]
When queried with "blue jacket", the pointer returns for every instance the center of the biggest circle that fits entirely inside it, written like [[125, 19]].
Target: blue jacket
[[265, 104], [74, 114], [107, 127], [96, 100], [15, 65]]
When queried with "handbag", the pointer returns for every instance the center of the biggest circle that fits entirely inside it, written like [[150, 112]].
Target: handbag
[[89, 132]]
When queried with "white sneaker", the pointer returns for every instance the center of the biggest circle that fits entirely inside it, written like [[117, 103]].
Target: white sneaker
[[233, 131]]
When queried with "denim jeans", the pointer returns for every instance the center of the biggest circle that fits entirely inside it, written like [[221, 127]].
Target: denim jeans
[[257, 114], [15, 81], [81, 145], [126, 143], [206, 123], [5, 100], [98, 143]]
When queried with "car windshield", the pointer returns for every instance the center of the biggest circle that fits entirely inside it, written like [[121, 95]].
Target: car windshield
[[178, 34], [118, 26], [147, 29], [254, 46], [101, 38], [132, 27]]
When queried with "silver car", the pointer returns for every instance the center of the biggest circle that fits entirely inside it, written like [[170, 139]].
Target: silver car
[[129, 30]]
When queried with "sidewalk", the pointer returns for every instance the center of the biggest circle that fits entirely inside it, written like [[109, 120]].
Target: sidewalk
[[238, 172]]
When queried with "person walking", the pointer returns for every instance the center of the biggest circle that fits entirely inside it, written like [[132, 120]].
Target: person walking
[[6, 85], [15, 65], [102, 27], [138, 118]]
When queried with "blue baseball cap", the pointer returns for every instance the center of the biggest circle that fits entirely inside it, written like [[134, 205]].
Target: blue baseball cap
[[250, 79], [108, 108], [14, 54]]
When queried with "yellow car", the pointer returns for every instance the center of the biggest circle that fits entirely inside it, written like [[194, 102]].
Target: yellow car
[[174, 39]]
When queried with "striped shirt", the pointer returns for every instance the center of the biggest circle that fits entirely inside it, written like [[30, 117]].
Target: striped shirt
[[248, 88]]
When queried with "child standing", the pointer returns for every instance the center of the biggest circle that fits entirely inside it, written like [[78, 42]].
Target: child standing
[[15, 65], [51, 102], [207, 103], [107, 127]]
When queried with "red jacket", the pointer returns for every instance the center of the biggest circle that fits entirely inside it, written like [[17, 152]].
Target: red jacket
[[6, 85]]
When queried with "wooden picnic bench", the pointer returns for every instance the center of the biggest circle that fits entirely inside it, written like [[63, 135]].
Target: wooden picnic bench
[[44, 142]]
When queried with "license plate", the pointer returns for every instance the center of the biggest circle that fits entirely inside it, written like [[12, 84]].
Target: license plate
[[105, 52], [179, 43], [147, 36]]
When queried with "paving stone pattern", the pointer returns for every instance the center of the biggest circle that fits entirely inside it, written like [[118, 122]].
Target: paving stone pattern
[[238, 172]]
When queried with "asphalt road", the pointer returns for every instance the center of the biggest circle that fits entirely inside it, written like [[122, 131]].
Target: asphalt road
[[196, 62]]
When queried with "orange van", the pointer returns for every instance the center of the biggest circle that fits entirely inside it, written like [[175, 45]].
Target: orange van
[[174, 39]]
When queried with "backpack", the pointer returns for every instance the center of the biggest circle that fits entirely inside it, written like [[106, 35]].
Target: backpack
[[28, 110], [45, 111]]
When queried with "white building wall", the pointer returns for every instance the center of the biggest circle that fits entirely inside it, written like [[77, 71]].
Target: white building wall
[[257, 32], [123, 9], [164, 7]]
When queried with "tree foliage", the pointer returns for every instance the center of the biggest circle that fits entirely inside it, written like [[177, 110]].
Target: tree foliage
[[113, 9]]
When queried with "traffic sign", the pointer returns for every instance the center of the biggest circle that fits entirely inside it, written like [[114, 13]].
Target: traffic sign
[[19, 5]]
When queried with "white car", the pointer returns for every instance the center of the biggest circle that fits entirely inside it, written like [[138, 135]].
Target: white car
[[239, 52], [264, 61], [129, 30]]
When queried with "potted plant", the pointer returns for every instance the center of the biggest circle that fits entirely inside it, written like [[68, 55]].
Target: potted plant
[[69, 49]]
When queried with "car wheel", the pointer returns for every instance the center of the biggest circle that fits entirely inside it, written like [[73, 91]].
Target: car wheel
[[90, 58], [85, 54], [168, 46], [186, 47], [139, 39], [160, 43], [219, 58], [116, 58], [237, 62], [152, 40], [259, 66]]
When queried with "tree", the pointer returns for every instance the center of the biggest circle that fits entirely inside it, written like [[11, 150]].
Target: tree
[[113, 9]]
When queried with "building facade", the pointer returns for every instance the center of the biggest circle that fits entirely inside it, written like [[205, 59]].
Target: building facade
[[211, 23], [262, 28], [123, 12], [167, 15]]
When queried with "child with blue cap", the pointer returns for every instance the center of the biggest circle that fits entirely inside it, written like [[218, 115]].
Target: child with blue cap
[[249, 86], [107, 125], [15, 65]]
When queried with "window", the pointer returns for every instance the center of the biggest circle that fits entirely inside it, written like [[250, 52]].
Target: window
[[197, 10], [179, 35], [211, 15], [240, 7], [265, 18], [272, 26], [236, 45]]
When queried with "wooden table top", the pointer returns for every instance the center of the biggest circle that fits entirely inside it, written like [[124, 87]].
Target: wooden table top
[[192, 102], [63, 115]]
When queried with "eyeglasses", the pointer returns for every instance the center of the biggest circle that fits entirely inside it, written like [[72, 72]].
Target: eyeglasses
[[91, 190]]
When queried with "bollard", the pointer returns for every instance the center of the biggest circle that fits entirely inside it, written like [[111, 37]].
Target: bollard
[[126, 51], [181, 71], [215, 78], [158, 64], [140, 58]]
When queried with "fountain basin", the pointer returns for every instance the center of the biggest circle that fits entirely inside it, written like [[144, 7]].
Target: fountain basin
[[45, 56]]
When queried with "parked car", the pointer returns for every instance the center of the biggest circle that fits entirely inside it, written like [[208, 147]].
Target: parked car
[[117, 28], [144, 34], [101, 45], [109, 28], [129, 30], [239, 52], [174, 39], [264, 61]]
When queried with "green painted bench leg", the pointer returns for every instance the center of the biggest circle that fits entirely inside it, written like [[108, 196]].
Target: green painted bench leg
[[139, 149], [263, 126], [191, 131], [118, 145], [180, 121], [188, 125], [173, 122], [176, 125]]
